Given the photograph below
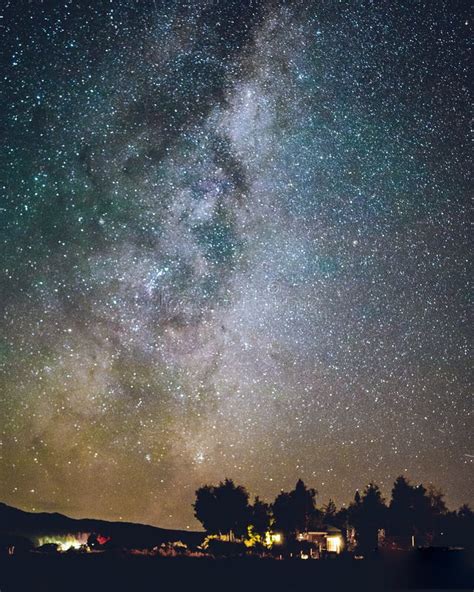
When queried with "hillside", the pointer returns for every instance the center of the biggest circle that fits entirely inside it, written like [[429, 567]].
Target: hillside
[[37, 526]]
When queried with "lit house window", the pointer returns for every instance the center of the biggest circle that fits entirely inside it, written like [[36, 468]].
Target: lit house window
[[334, 544]]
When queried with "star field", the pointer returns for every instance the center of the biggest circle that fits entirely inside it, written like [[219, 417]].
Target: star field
[[235, 243]]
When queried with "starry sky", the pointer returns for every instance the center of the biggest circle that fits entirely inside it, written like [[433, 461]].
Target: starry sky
[[234, 243]]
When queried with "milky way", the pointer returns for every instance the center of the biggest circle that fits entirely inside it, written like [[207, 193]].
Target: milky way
[[234, 244]]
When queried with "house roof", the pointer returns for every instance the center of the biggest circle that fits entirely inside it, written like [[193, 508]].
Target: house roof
[[331, 530]]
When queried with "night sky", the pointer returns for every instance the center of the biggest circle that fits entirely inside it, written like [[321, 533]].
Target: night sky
[[234, 243]]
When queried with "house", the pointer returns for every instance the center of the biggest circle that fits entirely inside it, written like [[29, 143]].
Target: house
[[327, 539]]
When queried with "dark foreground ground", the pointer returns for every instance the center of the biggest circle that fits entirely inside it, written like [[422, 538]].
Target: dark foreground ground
[[38, 573]]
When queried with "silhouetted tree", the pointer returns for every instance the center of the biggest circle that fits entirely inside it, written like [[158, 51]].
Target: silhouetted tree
[[437, 503], [223, 509], [234, 501], [368, 516], [402, 507], [353, 508], [283, 514], [329, 512], [438, 513], [462, 533], [206, 509], [260, 517], [341, 520], [304, 501], [316, 520], [456, 528], [292, 511], [465, 512], [411, 512]]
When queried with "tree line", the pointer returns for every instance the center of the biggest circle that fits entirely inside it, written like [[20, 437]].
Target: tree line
[[414, 514]]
